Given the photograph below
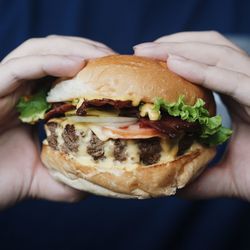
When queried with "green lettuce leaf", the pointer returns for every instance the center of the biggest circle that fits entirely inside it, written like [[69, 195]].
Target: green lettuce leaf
[[33, 108], [212, 131]]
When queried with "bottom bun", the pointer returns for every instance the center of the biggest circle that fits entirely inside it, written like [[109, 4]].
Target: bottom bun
[[143, 182]]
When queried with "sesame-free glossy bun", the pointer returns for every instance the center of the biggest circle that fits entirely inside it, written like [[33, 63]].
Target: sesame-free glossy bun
[[121, 77], [125, 77]]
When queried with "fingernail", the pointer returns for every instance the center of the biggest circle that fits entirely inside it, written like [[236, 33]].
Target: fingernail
[[105, 50], [144, 45], [77, 59], [177, 58], [110, 52]]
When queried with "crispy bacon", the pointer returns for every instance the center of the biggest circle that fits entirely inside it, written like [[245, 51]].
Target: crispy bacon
[[58, 110], [171, 126], [82, 110], [107, 103], [130, 112]]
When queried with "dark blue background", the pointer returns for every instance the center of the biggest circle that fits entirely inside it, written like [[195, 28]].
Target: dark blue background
[[103, 223]]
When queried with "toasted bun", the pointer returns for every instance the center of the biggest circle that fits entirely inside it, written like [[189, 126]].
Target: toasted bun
[[123, 77], [143, 182]]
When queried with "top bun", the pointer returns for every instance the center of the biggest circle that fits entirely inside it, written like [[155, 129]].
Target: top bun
[[125, 77]]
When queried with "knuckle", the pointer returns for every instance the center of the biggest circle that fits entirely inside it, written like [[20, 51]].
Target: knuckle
[[56, 39], [236, 88], [209, 70], [11, 62], [160, 39], [99, 44], [52, 36], [31, 41], [241, 78], [223, 51], [12, 69], [215, 34]]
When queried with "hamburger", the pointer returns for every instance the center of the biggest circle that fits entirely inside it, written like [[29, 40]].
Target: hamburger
[[127, 127]]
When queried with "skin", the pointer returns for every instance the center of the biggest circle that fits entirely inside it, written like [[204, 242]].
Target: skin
[[210, 60], [22, 174]]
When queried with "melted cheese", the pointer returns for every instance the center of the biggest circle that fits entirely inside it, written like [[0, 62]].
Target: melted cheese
[[148, 109], [84, 132]]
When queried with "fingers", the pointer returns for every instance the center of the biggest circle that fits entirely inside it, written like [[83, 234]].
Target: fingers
[[34, 67], [213, 183], [85, 40], [45, 187], [58, 56], [211, 37], [213, 61], [217, 55], [59, 45], [221, 80]]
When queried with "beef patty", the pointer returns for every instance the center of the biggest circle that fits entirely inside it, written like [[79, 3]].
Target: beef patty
[[75, 141]]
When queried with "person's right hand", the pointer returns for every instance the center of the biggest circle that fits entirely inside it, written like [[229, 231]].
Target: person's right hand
[[22, 174], [211, 60]]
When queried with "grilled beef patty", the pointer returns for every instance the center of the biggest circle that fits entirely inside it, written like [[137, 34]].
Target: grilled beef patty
[[75, 141]]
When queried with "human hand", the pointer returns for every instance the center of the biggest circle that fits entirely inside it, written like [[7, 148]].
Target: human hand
[[212, 61], [22, 174]]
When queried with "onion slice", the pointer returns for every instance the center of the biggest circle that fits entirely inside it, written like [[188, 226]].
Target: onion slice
[[119, 120]]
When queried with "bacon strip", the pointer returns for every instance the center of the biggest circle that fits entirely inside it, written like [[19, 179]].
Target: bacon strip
[[102, 102], [59, 110], [171, 126]]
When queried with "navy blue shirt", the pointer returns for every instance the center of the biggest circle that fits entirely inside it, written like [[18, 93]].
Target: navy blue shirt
[[104, 223]]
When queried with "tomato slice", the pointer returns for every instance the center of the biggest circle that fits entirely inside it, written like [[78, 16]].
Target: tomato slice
[[132, 132]]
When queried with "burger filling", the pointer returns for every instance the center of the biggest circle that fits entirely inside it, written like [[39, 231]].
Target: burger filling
[[87, 144], [104, 130]]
